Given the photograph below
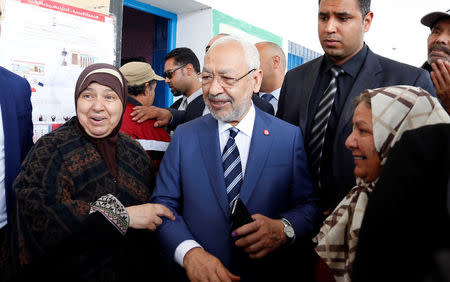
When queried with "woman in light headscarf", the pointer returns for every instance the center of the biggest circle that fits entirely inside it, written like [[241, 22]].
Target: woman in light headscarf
[[381, 117], [81, 191]]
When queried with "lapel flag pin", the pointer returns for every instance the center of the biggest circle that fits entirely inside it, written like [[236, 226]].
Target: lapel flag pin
[[266, 132]]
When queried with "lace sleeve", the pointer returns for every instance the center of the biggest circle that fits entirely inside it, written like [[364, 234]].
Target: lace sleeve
[[113, 210]]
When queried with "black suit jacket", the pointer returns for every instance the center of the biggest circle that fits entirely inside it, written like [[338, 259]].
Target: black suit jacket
[[406, 227], [176, 104], [195, 109], [376, 71]]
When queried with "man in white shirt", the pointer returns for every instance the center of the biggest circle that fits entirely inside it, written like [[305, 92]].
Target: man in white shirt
[[263, 164], [273, 65]]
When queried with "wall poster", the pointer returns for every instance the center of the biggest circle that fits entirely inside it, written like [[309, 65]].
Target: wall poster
[[50, 43]]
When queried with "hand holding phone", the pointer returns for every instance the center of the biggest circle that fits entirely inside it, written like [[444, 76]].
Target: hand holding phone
[[239, 214]]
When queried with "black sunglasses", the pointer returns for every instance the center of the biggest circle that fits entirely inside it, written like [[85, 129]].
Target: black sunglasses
[[168, 74]]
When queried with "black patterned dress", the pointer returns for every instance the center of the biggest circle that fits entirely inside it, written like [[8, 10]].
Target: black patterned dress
[[70, 221]]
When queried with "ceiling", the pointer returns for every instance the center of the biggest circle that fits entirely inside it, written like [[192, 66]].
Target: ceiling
[[176, 6]]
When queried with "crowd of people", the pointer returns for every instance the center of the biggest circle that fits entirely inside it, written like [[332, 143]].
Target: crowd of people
[[337, 170]]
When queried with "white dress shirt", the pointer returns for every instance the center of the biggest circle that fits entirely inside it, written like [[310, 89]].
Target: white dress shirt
[[194, 95], [242, 140], [187, 100], [274, 101], [183, 103]]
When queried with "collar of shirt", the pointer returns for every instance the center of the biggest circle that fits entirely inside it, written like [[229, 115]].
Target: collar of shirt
[[275, 93], [183, 103], [352, 66], [194, 95], [133, 101], [243, 138]]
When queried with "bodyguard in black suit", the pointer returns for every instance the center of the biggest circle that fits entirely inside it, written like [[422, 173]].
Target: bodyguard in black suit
[[342, 25]]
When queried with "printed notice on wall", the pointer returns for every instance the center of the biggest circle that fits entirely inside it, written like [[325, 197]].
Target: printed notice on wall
[[49, 44]]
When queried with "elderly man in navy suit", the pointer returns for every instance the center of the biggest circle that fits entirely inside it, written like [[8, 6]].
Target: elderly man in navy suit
[[263, 164], [317, 96]]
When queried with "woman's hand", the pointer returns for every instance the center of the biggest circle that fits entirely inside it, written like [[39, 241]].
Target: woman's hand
[[148, 216]]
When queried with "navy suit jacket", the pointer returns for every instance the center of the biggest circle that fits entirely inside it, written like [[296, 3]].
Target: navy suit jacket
[[17, 125], [376, 71], [190, 182]]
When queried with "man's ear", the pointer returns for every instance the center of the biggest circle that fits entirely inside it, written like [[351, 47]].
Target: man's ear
[[367, 21], [146, 89], [189, 69], [276, 61], [257, 80]]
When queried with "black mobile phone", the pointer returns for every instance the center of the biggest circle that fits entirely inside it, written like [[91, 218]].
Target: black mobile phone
[[239, 214]]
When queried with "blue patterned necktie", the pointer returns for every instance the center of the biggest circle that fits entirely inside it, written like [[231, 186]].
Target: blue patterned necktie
[[232, 169], [267, 97], [320, 122]]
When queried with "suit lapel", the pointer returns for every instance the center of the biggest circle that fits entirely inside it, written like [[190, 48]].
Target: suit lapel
[[367, 79], [307, 88], [210, 150], [176, 104], [260, 146], [198, 106]]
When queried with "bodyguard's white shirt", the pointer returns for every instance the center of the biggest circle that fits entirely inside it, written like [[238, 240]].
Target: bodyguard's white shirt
[[3, 212], [274, 101], [242, 140], [194, 95], [186, 100], [183, 103]]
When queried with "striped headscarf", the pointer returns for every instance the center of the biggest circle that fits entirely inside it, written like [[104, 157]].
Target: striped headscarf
[[395, 110]]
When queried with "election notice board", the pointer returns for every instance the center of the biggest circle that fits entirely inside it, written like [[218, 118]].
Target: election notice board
[[49, 43]]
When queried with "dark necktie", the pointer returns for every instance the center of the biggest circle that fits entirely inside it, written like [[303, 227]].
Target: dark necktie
[[232, 169], [320, 123], [267, 97]]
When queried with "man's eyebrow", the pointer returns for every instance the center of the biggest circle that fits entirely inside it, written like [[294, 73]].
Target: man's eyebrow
[[341, 14], [345, 14], [223, 71]]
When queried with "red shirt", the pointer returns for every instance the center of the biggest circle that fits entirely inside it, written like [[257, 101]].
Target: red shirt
[[151, 138]]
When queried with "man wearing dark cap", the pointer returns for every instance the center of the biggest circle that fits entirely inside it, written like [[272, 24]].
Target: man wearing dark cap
[[438, 63], [141, 79]]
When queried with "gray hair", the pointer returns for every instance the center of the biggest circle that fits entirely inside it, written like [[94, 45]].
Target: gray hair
[[250, 51]]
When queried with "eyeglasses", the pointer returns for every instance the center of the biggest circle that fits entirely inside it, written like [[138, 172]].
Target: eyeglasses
[[168, 74], [224, 81]]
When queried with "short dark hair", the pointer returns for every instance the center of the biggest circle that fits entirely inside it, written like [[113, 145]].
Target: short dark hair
[[184, 56], [135, 90], [365, 97], [364, 6]]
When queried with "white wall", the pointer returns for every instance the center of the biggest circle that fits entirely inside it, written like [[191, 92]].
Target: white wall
[[396, 31], [194, 30]]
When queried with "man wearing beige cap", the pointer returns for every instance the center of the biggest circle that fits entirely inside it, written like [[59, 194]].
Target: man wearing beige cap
[[438, 63], [141, 79]]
